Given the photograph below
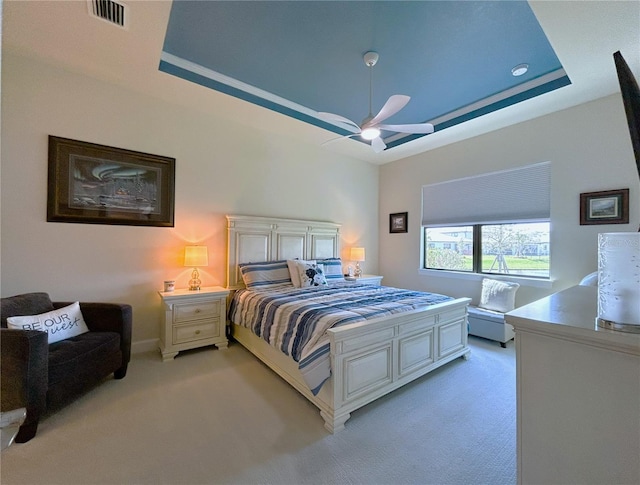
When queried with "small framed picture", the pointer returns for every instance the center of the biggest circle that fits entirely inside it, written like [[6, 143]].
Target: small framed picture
[[398, 222], [606, 207]]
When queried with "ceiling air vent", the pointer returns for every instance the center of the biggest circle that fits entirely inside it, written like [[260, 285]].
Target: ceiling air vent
[[109, 11]]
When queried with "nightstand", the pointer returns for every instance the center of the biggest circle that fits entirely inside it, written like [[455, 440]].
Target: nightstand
[[193, 319], [366, 279]]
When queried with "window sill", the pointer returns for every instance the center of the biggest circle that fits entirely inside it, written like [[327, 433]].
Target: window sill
[[522, 280]]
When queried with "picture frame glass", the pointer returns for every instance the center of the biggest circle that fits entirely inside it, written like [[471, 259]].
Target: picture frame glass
[[98, 185], [605, 207]]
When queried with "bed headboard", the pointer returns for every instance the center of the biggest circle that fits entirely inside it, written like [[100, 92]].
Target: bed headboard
[[256, 239]]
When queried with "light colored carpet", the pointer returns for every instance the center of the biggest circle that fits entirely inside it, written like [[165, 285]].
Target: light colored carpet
[[214, 416]]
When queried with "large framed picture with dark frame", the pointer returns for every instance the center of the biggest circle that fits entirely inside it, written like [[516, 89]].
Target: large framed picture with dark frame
[[604, 207], [98, 184]]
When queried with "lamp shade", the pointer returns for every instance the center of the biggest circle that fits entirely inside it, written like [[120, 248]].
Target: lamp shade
[[196, 256], [357, 254], [618, 276]]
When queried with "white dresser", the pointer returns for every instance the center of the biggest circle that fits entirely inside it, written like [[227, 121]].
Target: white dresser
[[193, 319], [578, 393]]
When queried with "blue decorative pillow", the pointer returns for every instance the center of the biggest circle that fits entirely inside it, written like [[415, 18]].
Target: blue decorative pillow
[[332, 269], [265, 275], [310, 275]]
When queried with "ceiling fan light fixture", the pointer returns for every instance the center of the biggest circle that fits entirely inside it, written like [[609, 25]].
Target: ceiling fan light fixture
[[370, 133]]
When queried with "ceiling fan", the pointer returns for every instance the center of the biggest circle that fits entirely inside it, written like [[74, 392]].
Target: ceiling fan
[[371, 126]]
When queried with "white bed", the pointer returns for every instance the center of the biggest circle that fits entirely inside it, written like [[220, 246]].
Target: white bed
[[368, 359]]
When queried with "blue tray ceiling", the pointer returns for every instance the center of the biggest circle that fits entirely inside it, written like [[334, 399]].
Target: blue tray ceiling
[[454, 58]]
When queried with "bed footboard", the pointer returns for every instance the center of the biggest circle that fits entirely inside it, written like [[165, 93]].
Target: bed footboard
[[371, 359]]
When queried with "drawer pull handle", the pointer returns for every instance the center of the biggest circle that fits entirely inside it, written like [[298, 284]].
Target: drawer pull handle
[[197, 332]]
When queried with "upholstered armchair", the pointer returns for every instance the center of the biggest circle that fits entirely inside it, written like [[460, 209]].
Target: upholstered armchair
[[40, 376]]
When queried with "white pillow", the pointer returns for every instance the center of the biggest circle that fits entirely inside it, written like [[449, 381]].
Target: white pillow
[[499, 296], [293, 270], [310, 275], [590, 280], [59, 324]]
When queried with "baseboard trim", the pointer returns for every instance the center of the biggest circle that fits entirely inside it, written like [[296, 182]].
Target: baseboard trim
[[144, 346]]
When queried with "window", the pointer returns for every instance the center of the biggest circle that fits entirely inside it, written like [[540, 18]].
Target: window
[[520, 249], [496, 223], [447, 250]]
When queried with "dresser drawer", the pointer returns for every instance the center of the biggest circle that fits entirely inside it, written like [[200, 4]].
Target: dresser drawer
[[196, 311], [196, 331]]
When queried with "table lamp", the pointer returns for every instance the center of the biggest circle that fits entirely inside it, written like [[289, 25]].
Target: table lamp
[[195, 256], [618, 281], [357, 255]]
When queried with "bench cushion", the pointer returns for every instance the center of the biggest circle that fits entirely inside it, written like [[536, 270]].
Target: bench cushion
[[489, 315]]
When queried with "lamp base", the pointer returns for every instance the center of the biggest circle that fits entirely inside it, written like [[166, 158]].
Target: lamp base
[[358, 272], [620, 327], [194, 282]]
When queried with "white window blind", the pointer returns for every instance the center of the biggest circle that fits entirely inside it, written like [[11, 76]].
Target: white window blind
[[516, 195]]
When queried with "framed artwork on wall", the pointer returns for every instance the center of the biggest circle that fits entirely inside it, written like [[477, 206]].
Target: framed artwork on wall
[[97, 184], [605, 207], [398, 222]]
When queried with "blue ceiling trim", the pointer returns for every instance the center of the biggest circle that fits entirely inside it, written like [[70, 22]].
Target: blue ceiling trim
[[517, 98], [205, 81], [251, 98]]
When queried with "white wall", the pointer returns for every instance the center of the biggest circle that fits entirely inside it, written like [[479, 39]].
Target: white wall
[[589, 149], [221, 168]]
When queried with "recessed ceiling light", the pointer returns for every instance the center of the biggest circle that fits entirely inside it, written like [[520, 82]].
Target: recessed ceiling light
[[520, 69]]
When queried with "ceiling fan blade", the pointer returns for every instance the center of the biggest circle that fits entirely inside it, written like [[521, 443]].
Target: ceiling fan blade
[[332, 117], [331, 140], [425, 128], [394, 104], [378, 145]]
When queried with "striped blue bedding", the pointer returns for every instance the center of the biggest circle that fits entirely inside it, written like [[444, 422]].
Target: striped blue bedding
[[295, 320]]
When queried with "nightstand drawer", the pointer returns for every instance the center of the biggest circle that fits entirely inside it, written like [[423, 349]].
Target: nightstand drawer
[[196, 311], [196, 331]]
